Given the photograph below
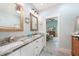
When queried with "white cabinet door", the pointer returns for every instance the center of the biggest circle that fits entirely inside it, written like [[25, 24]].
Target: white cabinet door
[[15, 53], [41, 43], [38, 45], [27, 50]]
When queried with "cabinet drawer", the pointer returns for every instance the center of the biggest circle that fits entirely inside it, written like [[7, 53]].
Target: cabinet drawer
[[39, 41]]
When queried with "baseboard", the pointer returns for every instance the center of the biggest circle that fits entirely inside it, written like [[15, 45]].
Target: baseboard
[[63, 50]]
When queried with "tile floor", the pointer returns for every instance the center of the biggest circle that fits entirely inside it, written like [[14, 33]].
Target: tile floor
[[51, 49]]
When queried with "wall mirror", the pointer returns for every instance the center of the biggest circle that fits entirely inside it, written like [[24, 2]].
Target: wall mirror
[[11, 17], [33, 22]]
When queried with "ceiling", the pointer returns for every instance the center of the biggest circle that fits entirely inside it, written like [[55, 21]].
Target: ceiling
[[44, 6]]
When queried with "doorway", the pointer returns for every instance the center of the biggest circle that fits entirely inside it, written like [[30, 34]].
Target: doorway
[[51, 28], [52, 37]]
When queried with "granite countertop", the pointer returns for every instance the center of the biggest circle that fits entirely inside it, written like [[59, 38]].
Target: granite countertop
[[9, 48], [76, 35]]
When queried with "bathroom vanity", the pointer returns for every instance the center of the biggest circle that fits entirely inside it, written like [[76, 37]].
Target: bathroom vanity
[[26, 46], [23, 45], [75, 45], [75, 39]]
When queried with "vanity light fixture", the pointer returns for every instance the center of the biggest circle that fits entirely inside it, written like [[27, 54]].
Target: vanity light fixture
[[26, 20], [34, 11]]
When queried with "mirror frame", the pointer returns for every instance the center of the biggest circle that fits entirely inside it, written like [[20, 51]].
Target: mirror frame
[[31, 28], [14, 29]]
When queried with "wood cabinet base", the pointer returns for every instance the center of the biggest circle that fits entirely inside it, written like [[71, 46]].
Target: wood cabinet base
[[75, 46]]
